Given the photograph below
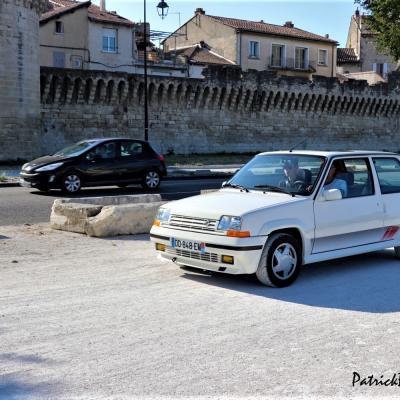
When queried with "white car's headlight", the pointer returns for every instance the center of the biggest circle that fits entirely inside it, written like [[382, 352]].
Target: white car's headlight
[[162, 216], [228, 222], [49, 167]]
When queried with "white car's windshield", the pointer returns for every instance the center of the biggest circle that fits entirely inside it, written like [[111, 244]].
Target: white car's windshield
[[293, 174]]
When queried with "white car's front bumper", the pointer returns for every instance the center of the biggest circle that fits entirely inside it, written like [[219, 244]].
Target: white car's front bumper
[[245, 251]]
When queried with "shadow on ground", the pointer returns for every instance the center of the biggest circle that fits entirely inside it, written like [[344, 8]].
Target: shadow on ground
[[13, 389], [367, 283]]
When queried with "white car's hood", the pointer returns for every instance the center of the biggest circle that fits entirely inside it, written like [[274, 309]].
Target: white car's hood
[[228, 202]]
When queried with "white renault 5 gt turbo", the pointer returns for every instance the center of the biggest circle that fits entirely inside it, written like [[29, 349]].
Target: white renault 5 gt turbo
[[286, 209]]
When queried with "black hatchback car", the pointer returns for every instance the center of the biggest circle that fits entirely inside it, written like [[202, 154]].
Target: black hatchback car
[[96, 162]]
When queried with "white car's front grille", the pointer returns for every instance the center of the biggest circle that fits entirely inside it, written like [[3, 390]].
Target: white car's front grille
[[210, 257], [193, 223]]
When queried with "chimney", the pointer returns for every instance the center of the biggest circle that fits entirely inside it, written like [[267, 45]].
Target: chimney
[[288, 24], [199, 11], [327, 35], [357, 13], [103, 5]]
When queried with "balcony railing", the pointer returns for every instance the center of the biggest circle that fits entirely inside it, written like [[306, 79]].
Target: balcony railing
[[292, 64]]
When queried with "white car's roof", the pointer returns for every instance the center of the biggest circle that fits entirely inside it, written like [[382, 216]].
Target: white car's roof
[[331, 153]]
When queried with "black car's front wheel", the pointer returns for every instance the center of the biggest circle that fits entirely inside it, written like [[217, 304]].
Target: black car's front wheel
[[151, 179], [71, 183]]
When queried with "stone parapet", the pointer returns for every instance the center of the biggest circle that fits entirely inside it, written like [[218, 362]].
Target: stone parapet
[[224, 89]]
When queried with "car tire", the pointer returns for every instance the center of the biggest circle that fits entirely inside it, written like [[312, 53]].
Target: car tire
[[397, 251], [71, 183], [280, 261], [151, 179]]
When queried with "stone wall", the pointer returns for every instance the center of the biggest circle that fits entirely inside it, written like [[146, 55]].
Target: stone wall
[[227, 111], [19, 77]]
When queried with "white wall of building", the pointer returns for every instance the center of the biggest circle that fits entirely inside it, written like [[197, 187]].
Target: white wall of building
[[120, 60]]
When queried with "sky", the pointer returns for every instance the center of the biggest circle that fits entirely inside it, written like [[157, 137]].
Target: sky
[[320, 17]]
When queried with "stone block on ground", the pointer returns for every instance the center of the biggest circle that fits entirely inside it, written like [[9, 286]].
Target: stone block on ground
[[127, 219], [115, 200], [72, 216]]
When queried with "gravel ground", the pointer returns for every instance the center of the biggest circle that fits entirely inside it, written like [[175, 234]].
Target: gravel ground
[[93, 318]]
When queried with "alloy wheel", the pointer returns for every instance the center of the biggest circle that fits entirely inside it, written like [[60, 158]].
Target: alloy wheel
[[284, 261], [72, 183], [152, 179]]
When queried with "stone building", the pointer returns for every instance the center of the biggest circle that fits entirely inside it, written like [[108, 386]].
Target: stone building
[[19, 77], [198, 57], [257, 45], [84, 36], [361, 59]]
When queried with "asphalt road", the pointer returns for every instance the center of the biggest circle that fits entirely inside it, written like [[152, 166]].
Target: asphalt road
[[28, 206]]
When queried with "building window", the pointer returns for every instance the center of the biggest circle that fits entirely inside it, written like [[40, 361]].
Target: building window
[[59, 28], [110, 40], [381, 69], [278, 55], [58, 59], [254, 49], [322, 57], [301, 58]]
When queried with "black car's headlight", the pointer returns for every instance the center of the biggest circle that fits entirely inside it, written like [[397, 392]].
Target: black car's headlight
[[49, 167]]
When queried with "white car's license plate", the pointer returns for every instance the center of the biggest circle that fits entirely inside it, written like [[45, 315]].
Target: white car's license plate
[[199, 247]]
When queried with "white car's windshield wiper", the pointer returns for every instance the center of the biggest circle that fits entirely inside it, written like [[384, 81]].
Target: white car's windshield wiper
[[233, 185], [270, 188]]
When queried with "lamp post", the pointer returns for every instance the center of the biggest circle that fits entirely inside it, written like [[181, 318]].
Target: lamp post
[[162, 9]]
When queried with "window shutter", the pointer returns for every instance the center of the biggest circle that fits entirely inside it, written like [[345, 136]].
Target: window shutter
[[374, 67], [385, 69]]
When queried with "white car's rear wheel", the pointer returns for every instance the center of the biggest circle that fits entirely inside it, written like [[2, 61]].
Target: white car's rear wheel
[[280, 261]]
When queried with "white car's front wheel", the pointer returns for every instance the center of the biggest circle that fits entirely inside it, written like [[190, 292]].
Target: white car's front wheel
[[280, 261]]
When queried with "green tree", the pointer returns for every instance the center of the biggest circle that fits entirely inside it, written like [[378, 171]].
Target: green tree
[[384, 19]]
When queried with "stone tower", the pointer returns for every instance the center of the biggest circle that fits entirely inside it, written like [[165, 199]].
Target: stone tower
[[19, 78]]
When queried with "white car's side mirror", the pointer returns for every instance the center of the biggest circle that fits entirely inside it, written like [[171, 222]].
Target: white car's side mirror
[[331, 194]]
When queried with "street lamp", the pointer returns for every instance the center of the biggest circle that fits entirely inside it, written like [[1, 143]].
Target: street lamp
[[162, 10]]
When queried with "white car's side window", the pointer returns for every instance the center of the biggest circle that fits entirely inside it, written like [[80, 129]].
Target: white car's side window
[[352, 176], [388, 171]]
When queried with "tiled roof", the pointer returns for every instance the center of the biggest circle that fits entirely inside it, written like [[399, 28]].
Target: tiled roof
[[94, 13], [262, 27], [346, 56], [57, 11], [201, 54]]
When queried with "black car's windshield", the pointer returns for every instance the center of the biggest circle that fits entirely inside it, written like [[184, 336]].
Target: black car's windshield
[[286, 173], [76, 149]]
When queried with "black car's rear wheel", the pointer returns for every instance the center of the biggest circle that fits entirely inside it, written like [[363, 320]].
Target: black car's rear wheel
[[71, 183], [151, 179]]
